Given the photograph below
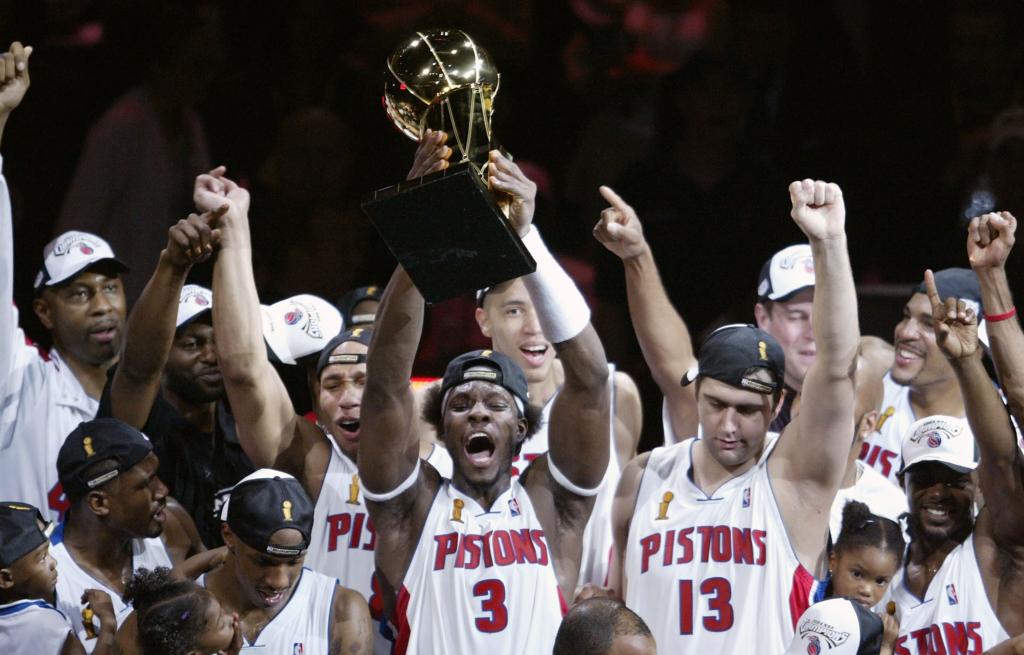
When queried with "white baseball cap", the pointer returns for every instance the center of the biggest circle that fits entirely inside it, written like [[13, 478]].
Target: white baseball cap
[[193, 301], [788, 272], [70, 254], [938, 438], [837, 626], [299, 326]]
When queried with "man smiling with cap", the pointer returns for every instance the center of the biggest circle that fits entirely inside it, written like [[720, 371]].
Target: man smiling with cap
[[283, 607], [81, 302]]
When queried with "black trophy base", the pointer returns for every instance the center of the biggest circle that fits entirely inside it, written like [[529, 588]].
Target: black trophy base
[[448, 233]]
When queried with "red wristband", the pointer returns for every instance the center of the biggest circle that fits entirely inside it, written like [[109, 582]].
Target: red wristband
[[995, 318]]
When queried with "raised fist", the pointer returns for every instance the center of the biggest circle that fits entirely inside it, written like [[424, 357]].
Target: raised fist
[[990, 238], [213, 190], [619, 229], [192, 240], [14, 79], [818, 209]]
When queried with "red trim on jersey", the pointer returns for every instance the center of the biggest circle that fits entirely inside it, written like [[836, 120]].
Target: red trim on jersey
[[561, 601], [800, 593], [310, 416], [401, 621]]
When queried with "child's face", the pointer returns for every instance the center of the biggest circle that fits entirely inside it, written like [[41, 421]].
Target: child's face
[[35, 574], [862, 574], [220, 628]]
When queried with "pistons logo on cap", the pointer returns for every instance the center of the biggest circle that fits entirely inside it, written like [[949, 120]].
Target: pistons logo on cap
[[293, 317], [201, 300], [813, 645], [84, 249], [934, 439]]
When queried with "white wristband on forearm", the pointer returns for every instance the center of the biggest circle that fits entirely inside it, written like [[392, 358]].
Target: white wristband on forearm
[[561, 310]]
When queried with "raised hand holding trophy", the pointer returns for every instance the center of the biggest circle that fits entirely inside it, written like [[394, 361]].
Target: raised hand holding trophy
[[446, 229]]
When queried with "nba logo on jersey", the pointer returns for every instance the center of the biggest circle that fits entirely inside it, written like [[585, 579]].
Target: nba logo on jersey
[[746, 497], [513, 507], [298, 649], [813, 646], [951, 594]]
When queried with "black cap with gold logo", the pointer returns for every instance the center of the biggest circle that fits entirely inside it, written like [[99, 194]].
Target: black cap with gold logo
[[264, 502], [733, 353]]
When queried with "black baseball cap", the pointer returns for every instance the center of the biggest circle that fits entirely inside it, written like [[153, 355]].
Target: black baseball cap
[[731, 351], [358, 334], [19, 531], [95, 441], [264, 502], [349, 301], [959, 283], [489, 366]]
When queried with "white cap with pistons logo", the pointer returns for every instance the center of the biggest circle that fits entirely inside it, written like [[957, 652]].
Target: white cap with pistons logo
[[938, 438], [299, 326], [788, 272], [70, 254]]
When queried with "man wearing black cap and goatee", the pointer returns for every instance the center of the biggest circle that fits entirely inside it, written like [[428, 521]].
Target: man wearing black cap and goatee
[[483, 562], [921, 381], [719, 538], [29, 622], [80, 301], [282, 606], [118, 521]]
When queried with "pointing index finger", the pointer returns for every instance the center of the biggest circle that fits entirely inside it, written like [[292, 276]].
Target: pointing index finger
[[933, 293], [613, 198]]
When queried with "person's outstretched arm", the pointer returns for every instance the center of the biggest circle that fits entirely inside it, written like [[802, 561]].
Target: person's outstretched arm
[[263, 412], [810, 459], [662, 333], [14, 82], [578, 428], [989, 241], [151, 326]]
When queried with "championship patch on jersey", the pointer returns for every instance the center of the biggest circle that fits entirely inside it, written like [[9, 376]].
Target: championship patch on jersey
[[951, 594]]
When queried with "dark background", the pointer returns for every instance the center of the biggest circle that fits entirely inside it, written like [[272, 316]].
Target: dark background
[[698, 112]]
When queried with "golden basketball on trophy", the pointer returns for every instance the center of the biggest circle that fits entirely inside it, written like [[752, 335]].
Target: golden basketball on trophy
[[446, 229]]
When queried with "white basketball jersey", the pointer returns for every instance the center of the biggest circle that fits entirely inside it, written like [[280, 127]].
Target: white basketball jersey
[[303, 626], [342, 541], [32, 627], [597, 536], [479, 581], [712, 573], [73, 580], [954, 616], [441, 460]]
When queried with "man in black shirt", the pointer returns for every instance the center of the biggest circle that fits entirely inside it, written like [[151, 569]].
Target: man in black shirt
[[168, 383]]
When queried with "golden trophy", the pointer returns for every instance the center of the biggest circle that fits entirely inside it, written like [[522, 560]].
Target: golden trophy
[[447, 229]]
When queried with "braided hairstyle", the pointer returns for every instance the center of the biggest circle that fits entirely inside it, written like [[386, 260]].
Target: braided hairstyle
[[862, 528], [171, 613]]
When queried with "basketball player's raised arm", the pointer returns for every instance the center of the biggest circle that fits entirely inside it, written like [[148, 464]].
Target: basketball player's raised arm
[[263, 412], [663, 336], [989, 241], [14, 82], [389, 447], [151, 326], [812, 452], [579, 424], [1000, 474]]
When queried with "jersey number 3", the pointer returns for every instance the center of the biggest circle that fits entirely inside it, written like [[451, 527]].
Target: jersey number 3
[[719, 593], [493, 594]]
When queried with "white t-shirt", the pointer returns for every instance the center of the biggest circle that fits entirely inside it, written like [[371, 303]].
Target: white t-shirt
[[32, 627]]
